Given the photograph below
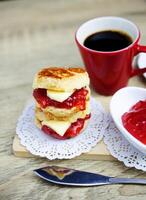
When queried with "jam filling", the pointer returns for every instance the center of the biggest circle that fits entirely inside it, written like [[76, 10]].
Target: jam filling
[[71, 132], [135, 121], [77, 99]]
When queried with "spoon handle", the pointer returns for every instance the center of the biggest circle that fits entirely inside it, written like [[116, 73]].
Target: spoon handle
[[127, 180]]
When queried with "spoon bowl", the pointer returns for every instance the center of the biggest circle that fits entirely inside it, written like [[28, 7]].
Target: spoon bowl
[[120, 103]]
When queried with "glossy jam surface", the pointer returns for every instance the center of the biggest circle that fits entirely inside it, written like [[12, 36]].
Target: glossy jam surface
[[71, 132], [135, 121], [77, 99]]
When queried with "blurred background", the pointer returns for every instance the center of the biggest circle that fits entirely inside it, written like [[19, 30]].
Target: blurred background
[[35, 33]]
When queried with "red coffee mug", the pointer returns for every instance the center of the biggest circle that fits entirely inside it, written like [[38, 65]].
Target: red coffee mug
[[109, 71]]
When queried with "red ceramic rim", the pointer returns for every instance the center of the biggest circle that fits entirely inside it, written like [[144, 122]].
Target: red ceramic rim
[[109, 52]]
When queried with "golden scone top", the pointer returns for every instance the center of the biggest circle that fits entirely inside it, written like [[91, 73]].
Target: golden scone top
[[61, 79], [76, 70], [59, 73]]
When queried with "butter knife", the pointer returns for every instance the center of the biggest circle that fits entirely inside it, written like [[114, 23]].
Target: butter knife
[[71, 177]]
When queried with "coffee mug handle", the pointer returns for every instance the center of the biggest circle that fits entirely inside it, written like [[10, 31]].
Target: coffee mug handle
[[139, 49]]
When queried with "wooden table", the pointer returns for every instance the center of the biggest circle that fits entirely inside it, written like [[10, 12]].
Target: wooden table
[[34, 34]]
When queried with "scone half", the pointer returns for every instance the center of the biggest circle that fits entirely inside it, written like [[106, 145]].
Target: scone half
[[62, 129], [41, 115], [61, 79]]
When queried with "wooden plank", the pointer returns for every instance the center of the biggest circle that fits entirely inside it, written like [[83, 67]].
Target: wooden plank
[[99, 152]]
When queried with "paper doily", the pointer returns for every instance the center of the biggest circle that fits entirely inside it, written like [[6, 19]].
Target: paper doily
[[121, 149], [38, 143]]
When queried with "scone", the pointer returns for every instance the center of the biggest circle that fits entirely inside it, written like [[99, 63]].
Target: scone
[[41, 115], [62, 98], [61, 79]]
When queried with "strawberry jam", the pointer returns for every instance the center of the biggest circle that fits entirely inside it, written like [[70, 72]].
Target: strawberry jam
[[71, 132], [77, 99], [135, 121]]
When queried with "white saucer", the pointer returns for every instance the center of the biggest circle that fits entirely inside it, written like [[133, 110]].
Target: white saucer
[[141, 62]]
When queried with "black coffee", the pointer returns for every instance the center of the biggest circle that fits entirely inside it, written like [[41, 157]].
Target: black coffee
[[109, 40]]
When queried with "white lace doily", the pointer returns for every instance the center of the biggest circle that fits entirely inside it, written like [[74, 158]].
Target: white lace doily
[[38, 143], [121, 149]]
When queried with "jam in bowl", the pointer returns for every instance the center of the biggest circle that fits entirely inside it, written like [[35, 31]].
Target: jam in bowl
[[128, 110]]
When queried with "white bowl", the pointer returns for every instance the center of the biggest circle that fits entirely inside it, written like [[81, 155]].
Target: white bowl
[[120, 103]]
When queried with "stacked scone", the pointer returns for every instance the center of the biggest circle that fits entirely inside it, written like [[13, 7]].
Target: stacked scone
[[62, 98]]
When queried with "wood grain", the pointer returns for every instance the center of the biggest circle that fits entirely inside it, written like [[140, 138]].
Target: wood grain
[[99, 152], [34, 34]]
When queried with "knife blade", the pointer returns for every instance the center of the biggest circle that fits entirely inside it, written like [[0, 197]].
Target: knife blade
[[71, 177]]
